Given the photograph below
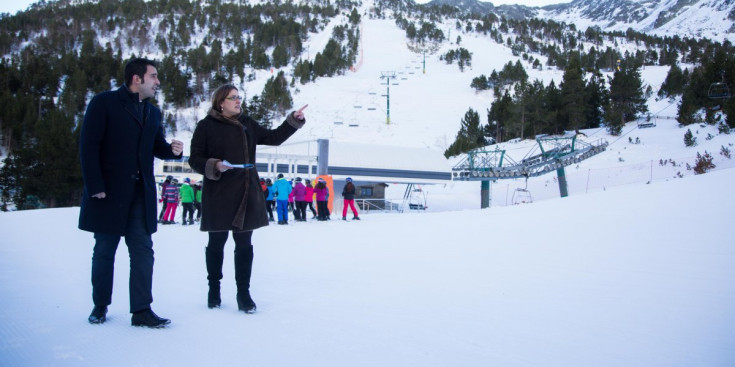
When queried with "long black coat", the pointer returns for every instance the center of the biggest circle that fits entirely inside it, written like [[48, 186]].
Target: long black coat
[[232, 200], [115, 145]]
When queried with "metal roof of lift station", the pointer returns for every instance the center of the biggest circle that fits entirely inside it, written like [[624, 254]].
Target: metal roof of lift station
[[364, 162]]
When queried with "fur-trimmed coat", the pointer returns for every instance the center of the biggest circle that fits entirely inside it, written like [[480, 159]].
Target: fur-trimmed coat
[[232, 200]]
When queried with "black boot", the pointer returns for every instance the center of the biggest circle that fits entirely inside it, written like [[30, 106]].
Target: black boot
[[213, 297], [245, 303], [214, 275], [243, 270]]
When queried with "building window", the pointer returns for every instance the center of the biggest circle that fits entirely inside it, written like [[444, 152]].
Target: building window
[[366, 191]]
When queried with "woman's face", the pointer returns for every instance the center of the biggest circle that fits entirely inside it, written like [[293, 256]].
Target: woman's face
[[231, 106]]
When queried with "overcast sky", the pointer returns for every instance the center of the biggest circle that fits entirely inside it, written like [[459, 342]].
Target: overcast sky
[[13, 6]]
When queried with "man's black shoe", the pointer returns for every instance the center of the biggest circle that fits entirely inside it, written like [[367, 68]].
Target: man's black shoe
[[98, 315], [149, 319]]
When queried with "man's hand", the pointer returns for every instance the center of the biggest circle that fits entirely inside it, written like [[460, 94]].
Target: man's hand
[[177, 147], [100, 195]]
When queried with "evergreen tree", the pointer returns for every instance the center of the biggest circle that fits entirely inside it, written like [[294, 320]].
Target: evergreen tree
[[280, 56], [36, 168], [276, 97], [626, 98], [573, 95], [689, 139], [550, 121], [499, 118], [521, 109], [674, 83], [469, 137], [302, 71], [257, 111], [479, 83]]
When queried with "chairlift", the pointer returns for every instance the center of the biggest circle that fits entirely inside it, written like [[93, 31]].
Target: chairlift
[[522, 196], [719, 90], [642, 124], [417, 198]]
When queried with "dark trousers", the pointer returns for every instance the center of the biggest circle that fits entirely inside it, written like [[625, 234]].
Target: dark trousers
[[215, 253], [269, 208], [311, 207], [163, 210], [301, 210], [198, 208], [188, 208], [140, 249], [322, 209]]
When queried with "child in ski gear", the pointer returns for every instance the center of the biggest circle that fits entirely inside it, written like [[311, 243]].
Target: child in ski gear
[[269, 199], [172, 202], [349, 199], [309, 198], [283, 190], [299, 191], [322, 193], [186, 192]]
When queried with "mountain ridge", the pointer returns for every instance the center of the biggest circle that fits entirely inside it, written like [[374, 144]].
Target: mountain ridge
[[713, 19]]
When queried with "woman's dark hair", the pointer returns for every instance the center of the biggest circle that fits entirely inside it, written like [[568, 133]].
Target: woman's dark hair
[[137, 67], [321, 185], [219, 95]]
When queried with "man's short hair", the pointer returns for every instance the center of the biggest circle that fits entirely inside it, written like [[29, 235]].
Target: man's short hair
[[139, 67]]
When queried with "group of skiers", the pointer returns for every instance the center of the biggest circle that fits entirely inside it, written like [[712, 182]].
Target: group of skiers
[[295, 196], [298, 195], [188, 194]]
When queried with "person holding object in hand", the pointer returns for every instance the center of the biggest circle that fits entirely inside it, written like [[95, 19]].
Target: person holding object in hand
[[231, 197], [121, 134]]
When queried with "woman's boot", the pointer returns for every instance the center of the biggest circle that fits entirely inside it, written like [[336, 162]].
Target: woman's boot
[[214, 275], [243, 270], [213, 297]]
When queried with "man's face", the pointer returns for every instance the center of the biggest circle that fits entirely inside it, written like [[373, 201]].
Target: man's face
[[148, 86]]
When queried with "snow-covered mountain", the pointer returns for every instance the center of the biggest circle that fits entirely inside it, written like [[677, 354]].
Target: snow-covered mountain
[[714, 19]]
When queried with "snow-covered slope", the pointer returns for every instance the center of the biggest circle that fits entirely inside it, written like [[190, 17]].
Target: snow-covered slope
[[637, 275], [620, 275]]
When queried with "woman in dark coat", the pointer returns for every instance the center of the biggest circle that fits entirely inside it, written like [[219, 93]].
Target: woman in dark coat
[[231, 196]]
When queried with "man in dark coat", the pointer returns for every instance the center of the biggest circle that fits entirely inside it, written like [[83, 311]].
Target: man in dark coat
[[121, 134]]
